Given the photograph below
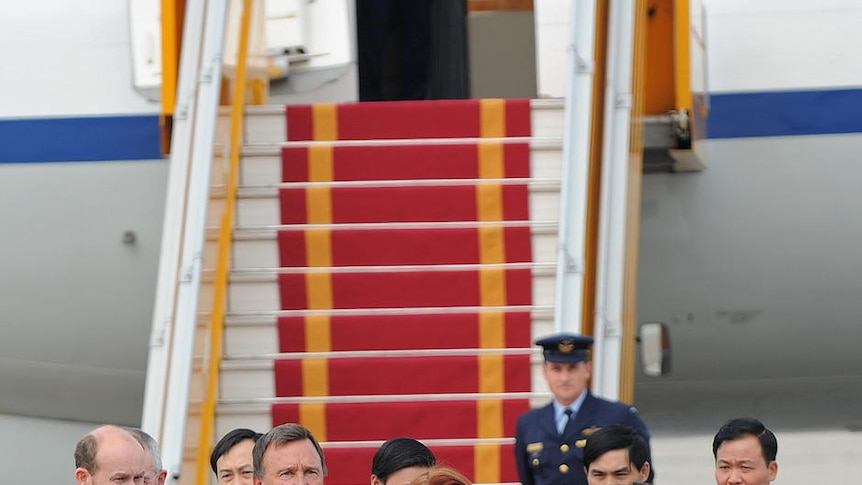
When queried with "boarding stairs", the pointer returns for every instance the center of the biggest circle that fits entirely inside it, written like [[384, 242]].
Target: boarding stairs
[[391, 264]]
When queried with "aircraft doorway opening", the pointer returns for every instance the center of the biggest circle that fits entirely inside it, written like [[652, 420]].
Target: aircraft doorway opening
[[412, 50]]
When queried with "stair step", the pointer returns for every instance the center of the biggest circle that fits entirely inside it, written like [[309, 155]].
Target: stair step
[[461, 419], [247, 335], [403, 204], [268, 124], [408, 332], [405, 161], [258, 248], [405, 247], [409, 120], [253, 382], [422, 286], [262, 206], [259, 291], [263, 165], [402, 375]]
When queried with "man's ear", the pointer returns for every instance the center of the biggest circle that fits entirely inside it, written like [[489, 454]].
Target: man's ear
[[773, 470], [644, 472], [375, 480], [162, 477], [82, 476]]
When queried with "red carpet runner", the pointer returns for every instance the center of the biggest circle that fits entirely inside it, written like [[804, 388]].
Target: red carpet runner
[[350, 241]]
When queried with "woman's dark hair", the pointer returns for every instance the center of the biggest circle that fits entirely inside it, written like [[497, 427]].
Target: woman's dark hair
[[399, 453]]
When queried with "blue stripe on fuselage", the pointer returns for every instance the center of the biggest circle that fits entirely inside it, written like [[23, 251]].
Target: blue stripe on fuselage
[[136, 137], [785, 113], [80, 139]]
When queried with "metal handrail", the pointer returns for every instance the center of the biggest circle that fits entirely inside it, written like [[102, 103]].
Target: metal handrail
[[219, 309], [175, 312], [576, 161]]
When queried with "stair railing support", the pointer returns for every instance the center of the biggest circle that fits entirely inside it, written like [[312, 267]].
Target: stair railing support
[[611, 270], [568, 301], [175, 315]]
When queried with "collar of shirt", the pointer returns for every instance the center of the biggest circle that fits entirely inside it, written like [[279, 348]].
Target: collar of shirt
[[560, 417]]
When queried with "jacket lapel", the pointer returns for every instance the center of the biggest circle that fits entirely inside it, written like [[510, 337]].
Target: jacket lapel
[[546, 419], [583, 418]]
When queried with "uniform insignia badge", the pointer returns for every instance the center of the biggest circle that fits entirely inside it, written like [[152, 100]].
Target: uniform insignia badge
[[535, 447], [566, 347], [589, 431]]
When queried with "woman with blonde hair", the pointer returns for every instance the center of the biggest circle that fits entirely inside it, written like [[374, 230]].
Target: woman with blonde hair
[[442, 475]]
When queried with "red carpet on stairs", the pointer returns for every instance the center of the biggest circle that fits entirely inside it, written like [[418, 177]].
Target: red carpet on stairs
[[402, 162], [456, 295], [403, 289], [410, 119], [387, 247], [402, 375], [423, 420], [386, 332], [420, 203]]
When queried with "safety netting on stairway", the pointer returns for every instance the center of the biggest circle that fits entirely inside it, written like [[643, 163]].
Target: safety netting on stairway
[[405, 278]]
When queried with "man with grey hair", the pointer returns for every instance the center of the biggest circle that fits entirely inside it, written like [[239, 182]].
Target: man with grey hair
[[109, 455], [154, 473], [288, 454]]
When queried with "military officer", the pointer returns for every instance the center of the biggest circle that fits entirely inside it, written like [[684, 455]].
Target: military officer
[[549, 441]]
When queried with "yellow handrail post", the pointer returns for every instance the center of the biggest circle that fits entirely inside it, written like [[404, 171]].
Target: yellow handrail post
[[173, 16]]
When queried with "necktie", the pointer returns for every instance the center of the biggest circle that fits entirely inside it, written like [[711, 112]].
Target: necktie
[[568, 413]]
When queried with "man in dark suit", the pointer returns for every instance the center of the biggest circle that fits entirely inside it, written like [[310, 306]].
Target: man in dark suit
[[549, 441]]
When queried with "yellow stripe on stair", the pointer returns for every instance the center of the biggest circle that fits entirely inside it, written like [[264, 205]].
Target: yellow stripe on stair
[[318, 248], [324, 119], [492, 286], [486, 463], [313, 417], [318, 288], [320, 164], [491, 374], [492, 245], [489, 202], [491, 164], [492, 250], [318, 333], [489, 414], [492, 114], [318, 205], [492, 330], [315, 377]]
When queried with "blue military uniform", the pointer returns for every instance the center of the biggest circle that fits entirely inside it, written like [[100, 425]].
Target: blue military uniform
[[546, 457]]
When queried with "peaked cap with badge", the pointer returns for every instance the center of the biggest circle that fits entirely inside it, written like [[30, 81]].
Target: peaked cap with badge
[[566, 347], [546, 457]]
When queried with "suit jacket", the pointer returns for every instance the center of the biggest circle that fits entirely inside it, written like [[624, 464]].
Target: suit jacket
[[545, 457]]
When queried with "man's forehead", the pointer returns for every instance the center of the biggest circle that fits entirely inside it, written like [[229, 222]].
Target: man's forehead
[[238, 450], [747, 446], [612, 460], [294, 448], [739, 459]]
